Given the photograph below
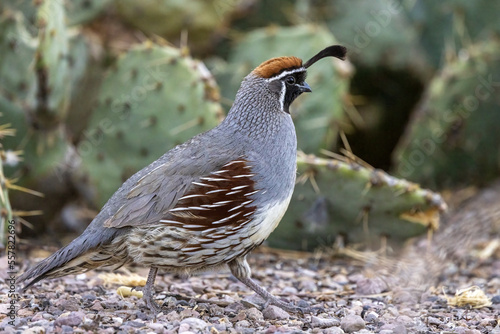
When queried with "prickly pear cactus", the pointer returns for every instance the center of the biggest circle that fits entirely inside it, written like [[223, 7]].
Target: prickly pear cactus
[[37, 76], [452, 24], [52, 63], [153, 98], [17, 65], [82, 11], [376, 33], [168, 18], [6, 214], [334, 197], [44, 153], [453, 138], [316, 117]]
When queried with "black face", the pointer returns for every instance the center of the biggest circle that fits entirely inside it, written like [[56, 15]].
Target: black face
[[289, 87], [295, 85]]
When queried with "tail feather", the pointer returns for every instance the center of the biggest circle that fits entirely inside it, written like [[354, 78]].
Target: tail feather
[[83, 254]]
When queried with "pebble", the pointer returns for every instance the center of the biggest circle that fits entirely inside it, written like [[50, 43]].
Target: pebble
[[173, 316], [194, 324], [132, 323], [35, 330], [46, 312], [324, 323], [189, 313], [254, 314], [352, 323], [68, 305], [333, 330], [371, 316], [394, 328], [242, 324], [38, 316], [273, 312], [495, 299], [433, 321], [289, 290], [66, 329], [71, 319]]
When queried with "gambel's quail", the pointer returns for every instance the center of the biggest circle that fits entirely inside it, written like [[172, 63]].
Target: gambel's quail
[[207, 202]]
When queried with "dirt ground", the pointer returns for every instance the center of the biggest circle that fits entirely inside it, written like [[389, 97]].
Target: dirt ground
[[447, 284], [354, 298]]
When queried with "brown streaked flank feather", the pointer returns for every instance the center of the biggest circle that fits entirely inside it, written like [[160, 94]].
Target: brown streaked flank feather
[[275, 66], [222, 198]]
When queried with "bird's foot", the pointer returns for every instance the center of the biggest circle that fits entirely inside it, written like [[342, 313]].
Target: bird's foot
[[151, 304]]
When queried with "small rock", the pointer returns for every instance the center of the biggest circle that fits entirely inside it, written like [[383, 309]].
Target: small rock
[[117, 321], [394, 328], [43, 323], [132, 323], [35, 330], [433, 321], [289, 290], [89, 297], [69, 304], [254, 314], [194, 324], [405, 321], [495, 299], [184, 328], [242, 315], [71, 319], [38, 316], [189, 313], [324, 323], [273, 312], [341, 279], [371, 316], [173, 316], [234, 308], [217, 328], [97, 306], [156, 326], [25, 312], [66, 329], [242, 324], [333, 330], [352, 323], [393, 311]]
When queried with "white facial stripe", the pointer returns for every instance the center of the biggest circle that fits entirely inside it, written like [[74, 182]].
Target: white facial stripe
[[282, 96], [285, 73]]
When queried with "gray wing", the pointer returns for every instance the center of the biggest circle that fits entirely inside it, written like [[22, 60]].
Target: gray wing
[[149, 195]]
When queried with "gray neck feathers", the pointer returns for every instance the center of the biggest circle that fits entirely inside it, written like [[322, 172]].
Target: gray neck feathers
[[256, 109]]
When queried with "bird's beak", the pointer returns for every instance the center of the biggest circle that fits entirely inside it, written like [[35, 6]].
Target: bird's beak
[[304, 87]]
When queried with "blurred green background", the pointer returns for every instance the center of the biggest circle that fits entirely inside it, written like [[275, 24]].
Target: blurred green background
[[92, 91]]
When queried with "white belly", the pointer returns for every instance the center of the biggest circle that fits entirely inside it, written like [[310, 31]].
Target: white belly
[[268, 219]]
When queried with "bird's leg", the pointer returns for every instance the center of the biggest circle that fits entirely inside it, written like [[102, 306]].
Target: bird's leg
[[241, 270], [148, 291]]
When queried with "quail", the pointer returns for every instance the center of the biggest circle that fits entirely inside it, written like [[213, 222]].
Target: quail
[[208, 202]]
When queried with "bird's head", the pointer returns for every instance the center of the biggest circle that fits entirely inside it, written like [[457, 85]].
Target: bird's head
[[284, 77]]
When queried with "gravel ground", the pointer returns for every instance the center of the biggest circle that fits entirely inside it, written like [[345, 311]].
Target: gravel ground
[[355, 299]]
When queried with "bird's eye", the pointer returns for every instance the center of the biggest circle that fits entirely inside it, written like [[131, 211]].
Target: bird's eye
[[290, 80]]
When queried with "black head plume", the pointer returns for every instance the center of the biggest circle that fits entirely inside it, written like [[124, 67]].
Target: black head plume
[[337, 51]]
